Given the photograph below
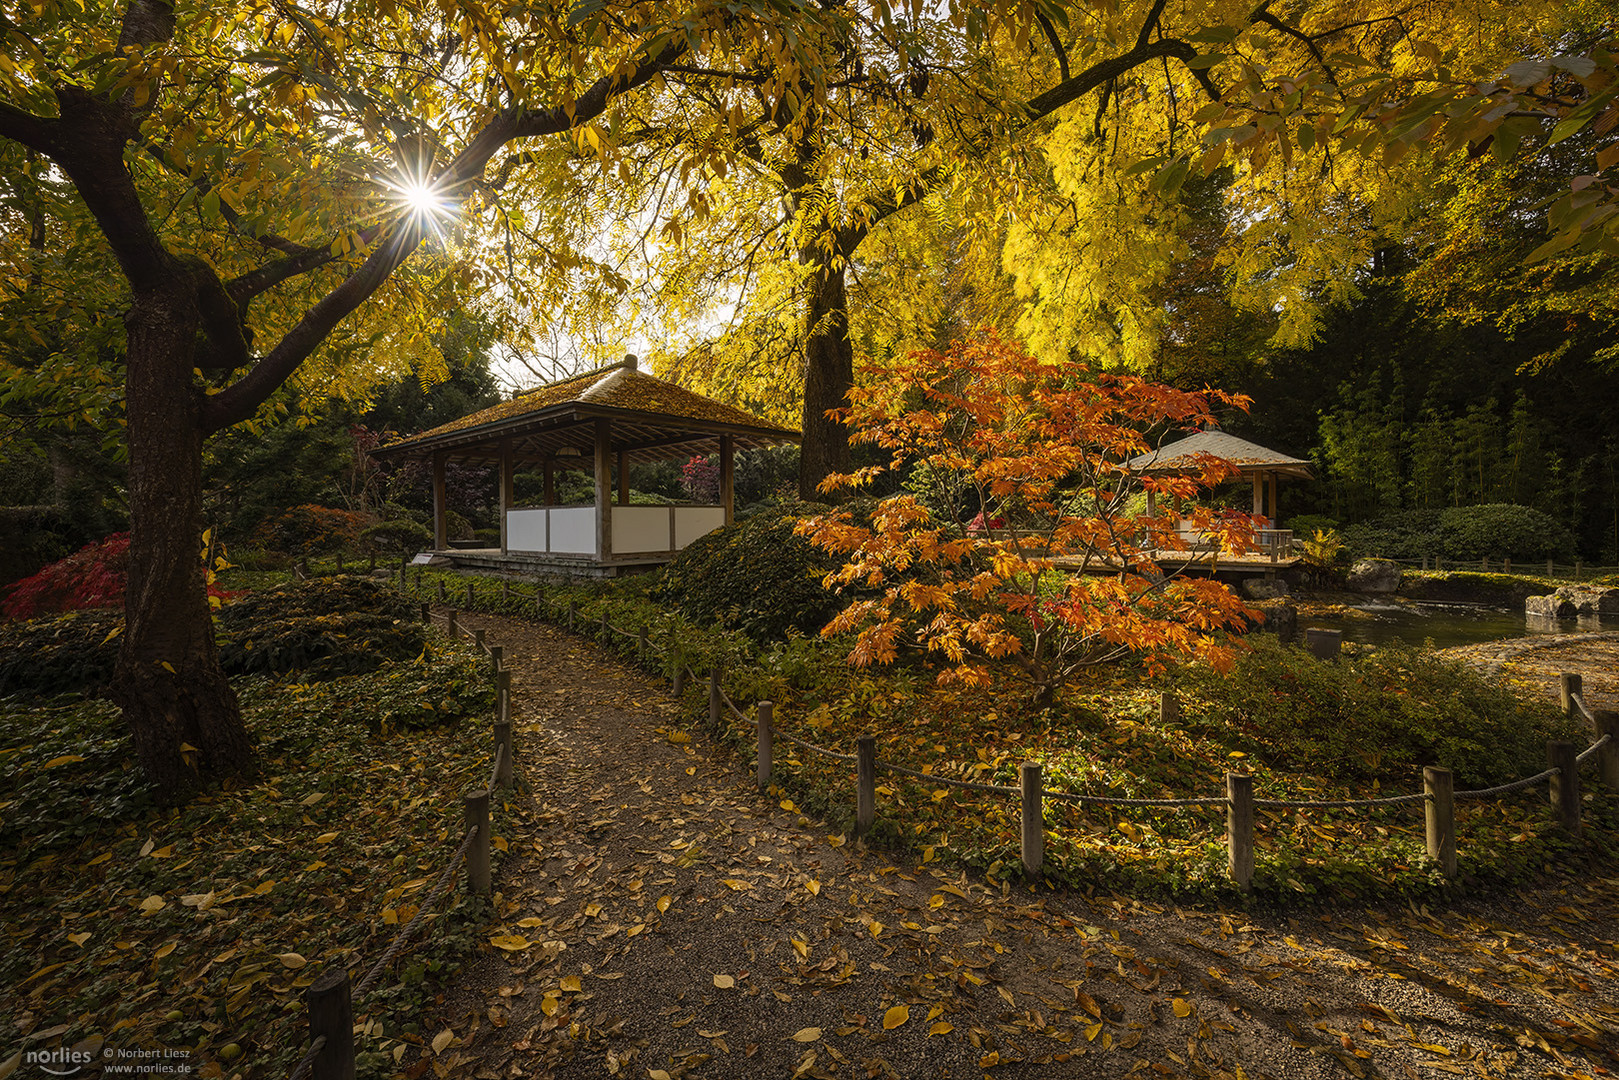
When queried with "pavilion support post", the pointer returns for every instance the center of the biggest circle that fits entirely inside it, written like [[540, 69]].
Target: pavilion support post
[[1275, 509], [1259, 495], [623, 479], [728, 476], [507, 483], [441, 539], [604, 489]]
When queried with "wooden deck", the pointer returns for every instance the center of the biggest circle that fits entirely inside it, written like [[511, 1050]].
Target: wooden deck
[[529, 564]]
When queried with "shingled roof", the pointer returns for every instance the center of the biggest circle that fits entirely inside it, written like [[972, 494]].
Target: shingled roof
[[1248, 457], [652, 419]]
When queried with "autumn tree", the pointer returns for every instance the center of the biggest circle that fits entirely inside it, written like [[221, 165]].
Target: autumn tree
[[1064, 139], [278, 191], [1026, 542]]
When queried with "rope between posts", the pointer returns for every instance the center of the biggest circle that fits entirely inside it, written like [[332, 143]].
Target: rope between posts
[[307, 1062], [1585, 710], [432, 899], [494, 770], [1590, 751], [1504, 789], [970, 785], [729, 704], [833, 754]]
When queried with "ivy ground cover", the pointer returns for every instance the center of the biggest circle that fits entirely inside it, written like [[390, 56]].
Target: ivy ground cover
[[197, 930]]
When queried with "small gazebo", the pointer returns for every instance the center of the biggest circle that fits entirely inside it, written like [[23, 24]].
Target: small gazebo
[[1261, 466], [603, 422]]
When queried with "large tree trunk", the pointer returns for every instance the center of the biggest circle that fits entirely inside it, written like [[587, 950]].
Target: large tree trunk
[[828, 378], [168, 678]]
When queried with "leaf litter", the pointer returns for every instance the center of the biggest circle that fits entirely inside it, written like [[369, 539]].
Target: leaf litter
[[684, 925]]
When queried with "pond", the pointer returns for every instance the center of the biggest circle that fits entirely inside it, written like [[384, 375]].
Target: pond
[[1446, 624]]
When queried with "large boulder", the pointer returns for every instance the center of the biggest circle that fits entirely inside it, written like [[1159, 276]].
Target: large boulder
[[1280, 618], [1377, 576], [1264, 588], [1572, 600]]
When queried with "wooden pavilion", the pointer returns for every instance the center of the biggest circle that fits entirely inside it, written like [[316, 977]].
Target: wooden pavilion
[[1258, 465], [603, 421]]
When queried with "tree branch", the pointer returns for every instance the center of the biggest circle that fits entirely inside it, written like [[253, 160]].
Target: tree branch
[[1056, 43], [23, 127], [241, 399]]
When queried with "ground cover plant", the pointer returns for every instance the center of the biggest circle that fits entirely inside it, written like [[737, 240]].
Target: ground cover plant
[[198, 928], [1105, 735], [326, 627]]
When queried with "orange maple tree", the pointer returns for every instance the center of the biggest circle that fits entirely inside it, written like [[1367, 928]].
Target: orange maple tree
[[1021, 535]]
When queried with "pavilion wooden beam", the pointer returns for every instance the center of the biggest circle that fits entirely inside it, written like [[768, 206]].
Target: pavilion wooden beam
[[440, 529], [728, 476], [604, 489], [507, 485]]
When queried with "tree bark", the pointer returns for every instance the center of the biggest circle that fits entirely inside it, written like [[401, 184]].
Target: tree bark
[[828, 378], [168, 679]]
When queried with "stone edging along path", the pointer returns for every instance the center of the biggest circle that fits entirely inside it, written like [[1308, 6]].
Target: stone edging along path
[[657, 917]]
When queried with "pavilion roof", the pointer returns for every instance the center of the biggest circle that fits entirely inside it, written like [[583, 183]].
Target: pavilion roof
[[1248, 457], [652, 419]]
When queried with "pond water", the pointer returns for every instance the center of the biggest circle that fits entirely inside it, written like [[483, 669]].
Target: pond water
[[1448, 624]]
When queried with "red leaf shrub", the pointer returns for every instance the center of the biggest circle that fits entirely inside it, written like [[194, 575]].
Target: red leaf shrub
[[92, 577]]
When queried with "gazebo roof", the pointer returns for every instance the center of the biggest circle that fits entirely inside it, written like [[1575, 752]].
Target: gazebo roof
[[652, 419], [1249, 457]]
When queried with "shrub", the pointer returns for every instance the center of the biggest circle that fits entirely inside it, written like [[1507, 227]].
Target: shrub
[[397, 537], [320, 629], [70, 653], [1504, 531], [1378, 716], [92, 577], [308, 531], [1409, 534], [756, 576], [1463, 533]]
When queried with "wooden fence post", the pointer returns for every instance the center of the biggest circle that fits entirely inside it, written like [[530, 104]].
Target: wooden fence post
[[427, 613], [865, 788], [715, 705], [1506, 566], [1169, 710], [331, 1013], [505, 591], [1440, 810], [477, 637], [477, 816], [441, 595], [1034, 822], [1239, 828], [640, 645], [503, 695], [470, 602], [1565, 787], [1325, 644], [1571, 685], [679, 688], [454, 628], [1550, 571], [503, 753], [764, 714], [604, 626], [1608, 756], [497, 655]]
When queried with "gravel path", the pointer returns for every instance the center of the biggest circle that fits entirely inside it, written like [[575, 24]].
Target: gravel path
[[657, 917], [1536, 662]]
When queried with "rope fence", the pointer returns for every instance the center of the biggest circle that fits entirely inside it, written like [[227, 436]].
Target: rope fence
[[329, 1000], [1550, 568], [1438, 796]]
